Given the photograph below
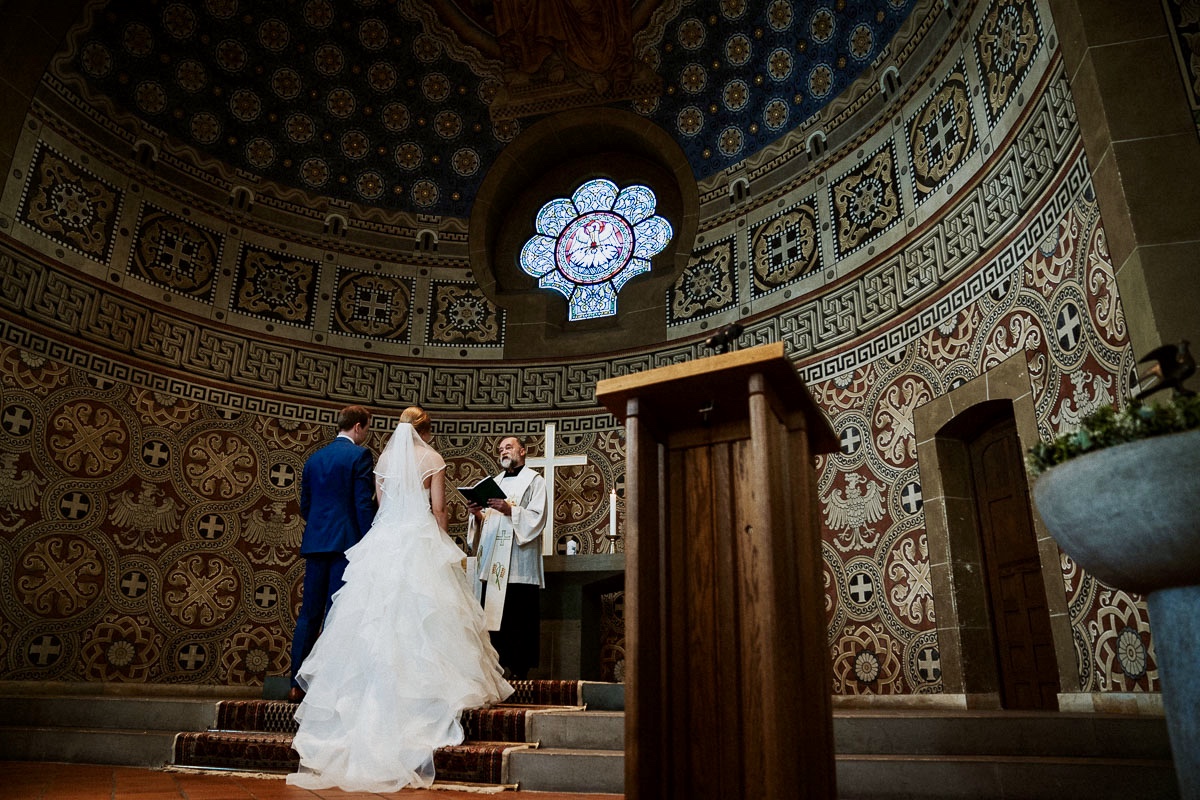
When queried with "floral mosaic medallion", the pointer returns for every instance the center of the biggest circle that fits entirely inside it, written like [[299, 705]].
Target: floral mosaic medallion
[[866, 202], [706, 286], [1005, 46], [70, 205], [275, 287], [460, 314]]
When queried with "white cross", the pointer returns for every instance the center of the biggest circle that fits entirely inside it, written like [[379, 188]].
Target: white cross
[[861, 587], [45, 650], [192, 657], [265, 597], [74, 505], [548, 463], [133, 584], [155, 453], [928, 664], [211, 526], [850, 440], [18, 420], [910, 498], [1068, 327]]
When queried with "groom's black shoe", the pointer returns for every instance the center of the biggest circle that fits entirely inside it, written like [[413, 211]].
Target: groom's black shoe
[[295, 694]]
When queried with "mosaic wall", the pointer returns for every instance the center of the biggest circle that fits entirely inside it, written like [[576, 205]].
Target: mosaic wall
[[149, 536], [836, 221], [164, 371], [1057, 305]]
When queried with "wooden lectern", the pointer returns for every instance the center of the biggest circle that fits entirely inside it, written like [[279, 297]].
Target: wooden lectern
[[728, 677]]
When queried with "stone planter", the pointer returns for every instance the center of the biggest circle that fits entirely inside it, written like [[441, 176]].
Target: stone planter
[[1130, 516]]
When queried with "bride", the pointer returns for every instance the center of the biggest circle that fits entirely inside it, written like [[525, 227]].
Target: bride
[[404, 649]]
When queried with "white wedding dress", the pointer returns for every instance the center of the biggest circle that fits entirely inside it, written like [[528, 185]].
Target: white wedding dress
[[404, 649]]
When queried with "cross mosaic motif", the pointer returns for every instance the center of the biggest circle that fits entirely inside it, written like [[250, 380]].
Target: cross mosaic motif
[[211, 527], [134, 584], [1068, 327], [266, 597], [942, 133], [910, 498], [17, 420], [155, 454], [282, 476], [45, 650], [177, 255], [851, 440], [192, 657], [75, 505], [862, 588], [928, 664], [372, 304]]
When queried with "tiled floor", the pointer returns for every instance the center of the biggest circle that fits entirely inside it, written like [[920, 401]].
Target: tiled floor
[[45, 781]]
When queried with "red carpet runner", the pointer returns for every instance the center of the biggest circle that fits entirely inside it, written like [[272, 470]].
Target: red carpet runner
[[256, 735]]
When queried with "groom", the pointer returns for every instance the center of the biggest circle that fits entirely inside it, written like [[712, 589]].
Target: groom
[[337, 502]]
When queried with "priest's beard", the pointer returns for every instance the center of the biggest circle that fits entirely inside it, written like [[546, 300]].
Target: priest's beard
[[506, 463]]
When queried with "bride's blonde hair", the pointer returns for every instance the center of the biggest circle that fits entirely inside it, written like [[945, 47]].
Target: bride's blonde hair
[[418, 418]]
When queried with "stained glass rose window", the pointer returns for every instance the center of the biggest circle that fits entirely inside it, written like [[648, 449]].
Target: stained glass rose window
[[587, 247]]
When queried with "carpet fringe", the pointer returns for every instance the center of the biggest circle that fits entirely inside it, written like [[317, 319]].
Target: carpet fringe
[[477, 788], [225, 773]]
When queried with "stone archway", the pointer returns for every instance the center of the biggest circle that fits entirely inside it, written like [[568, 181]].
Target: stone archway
[[549, 160]]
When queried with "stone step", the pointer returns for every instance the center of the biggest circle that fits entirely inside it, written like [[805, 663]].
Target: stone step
[[908, 777], [881, 754], [577, 730], [1001, 733], [128, 748], [559, 769], [866, 777], [131, 713]]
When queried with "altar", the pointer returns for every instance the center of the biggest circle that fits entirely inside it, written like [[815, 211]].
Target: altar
[[575, 632]]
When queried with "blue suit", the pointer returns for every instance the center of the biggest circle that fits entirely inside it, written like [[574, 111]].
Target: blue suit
[[337, 502]]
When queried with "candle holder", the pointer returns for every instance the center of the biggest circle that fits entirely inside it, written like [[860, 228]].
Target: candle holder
[[612, 540]]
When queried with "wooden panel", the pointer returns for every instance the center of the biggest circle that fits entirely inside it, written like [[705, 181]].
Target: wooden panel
[[1012, 566], [724, 584]]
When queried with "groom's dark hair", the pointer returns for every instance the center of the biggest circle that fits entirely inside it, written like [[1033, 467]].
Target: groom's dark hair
[[353, 415]]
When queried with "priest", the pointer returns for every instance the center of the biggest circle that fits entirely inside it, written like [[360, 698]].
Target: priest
[[506, 534]]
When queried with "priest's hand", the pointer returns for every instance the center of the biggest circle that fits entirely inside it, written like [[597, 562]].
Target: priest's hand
[[476, 510], [501, 505]]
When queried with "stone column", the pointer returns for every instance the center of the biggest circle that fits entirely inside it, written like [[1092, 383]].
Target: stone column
[[1144, 151]]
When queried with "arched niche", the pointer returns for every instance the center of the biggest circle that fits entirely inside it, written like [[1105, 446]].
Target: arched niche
[[547, 161]]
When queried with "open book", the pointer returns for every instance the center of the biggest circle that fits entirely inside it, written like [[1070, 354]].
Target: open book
[[483, 491]]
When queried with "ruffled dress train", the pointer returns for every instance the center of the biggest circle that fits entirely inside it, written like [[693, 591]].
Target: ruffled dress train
[[403, 652]]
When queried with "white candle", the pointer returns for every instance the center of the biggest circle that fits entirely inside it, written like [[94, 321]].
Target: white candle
[[612, 515]]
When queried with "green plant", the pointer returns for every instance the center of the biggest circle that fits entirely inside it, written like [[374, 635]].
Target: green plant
[[1107, 427]]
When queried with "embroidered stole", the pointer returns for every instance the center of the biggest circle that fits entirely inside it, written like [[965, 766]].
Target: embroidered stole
[[501, 564]]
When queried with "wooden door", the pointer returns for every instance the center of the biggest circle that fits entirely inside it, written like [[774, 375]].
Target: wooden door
[[1012, 567]]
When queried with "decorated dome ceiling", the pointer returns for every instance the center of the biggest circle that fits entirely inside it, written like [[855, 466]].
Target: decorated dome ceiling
[[404, 105]]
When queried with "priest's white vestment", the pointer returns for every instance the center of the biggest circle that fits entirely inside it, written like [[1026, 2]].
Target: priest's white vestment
[[520, 561]]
